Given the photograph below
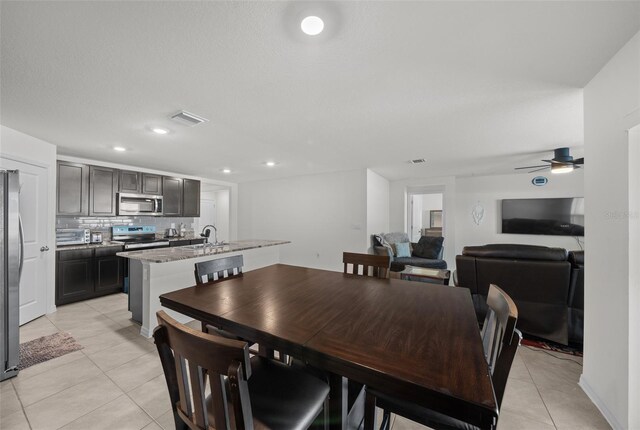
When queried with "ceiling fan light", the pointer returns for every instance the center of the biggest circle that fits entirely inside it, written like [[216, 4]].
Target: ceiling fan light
[[561, 168]]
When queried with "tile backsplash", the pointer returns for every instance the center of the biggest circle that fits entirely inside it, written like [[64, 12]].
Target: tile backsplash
[[104, 224]]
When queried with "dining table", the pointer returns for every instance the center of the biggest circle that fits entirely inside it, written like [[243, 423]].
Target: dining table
[[416, 341]]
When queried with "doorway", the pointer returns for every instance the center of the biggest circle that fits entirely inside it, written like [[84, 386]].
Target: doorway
[[215, 209], [33, 212], [425, 215]]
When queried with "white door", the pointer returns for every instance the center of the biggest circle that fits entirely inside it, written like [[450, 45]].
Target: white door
[[207, 213], [33, 211]]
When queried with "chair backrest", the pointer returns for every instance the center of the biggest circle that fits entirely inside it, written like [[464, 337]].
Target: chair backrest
[[379, 264], [500, 338], [219, 269], [188, 358]]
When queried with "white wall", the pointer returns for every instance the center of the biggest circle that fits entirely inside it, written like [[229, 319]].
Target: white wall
[[18, 146], [611, 107], [634, 275], [322, 215], [377, 203], [490, 190]]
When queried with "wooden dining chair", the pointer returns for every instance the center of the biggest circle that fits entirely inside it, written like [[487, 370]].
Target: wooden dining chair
[[379, 264], [500, 340], [246, 393], [219, 269]]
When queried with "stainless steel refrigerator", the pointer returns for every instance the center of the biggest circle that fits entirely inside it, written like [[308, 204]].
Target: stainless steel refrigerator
[[11, 255]]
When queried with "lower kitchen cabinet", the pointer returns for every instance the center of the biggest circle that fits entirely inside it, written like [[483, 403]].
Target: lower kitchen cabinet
[[86, 273], [109, 275]]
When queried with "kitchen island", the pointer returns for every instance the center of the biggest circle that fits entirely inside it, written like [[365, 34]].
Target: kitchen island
[[157, 271]]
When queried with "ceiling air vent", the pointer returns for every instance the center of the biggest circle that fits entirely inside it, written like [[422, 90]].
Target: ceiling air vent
[[417, 161], [187, 118]]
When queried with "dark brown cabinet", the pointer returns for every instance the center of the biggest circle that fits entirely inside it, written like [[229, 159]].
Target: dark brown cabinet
[[103, 186], [72, 194], [87, 273], [191, 198], [85, 190], [151, 184], [130, 182], [171, 196], [109, 275]]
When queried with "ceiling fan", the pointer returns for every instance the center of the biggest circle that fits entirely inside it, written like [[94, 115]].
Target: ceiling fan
[[562, 162]]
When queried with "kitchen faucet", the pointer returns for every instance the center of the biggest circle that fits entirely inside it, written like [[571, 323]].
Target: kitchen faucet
[[206, 233]]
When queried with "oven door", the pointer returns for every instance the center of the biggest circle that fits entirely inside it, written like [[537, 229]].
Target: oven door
[[139, 204]]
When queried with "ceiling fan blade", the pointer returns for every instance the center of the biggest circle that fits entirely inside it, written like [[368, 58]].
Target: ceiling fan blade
[[537, 170], [566, 163], [578, 161], [530, 167]]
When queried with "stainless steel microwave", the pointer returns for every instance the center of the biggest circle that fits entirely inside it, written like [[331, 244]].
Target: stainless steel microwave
[[139, 204]]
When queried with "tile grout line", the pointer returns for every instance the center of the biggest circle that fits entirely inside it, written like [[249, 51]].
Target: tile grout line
[[539, 393], [21, 405]]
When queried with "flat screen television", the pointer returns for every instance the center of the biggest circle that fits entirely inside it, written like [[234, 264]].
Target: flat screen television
[[557, 216]]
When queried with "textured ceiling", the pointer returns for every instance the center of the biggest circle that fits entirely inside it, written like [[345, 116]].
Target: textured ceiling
[[473, 87]]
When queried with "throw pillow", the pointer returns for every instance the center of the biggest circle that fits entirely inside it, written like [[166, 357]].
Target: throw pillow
[[428, 247], [403, 249]]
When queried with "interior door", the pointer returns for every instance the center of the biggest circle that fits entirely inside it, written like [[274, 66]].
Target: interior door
[[33, 211]]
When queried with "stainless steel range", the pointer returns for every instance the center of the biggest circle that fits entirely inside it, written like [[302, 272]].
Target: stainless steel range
[[137, 237]]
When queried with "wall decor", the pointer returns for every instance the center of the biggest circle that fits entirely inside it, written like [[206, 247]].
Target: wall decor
[[477, 213], [435, 219]]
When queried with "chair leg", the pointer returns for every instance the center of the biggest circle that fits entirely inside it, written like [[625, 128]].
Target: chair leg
[[369, 411], [386, 421]]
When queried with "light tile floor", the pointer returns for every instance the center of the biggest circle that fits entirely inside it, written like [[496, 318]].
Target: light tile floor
[[116, 381]]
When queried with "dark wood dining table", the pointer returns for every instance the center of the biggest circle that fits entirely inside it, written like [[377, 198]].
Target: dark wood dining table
[[416, 341]]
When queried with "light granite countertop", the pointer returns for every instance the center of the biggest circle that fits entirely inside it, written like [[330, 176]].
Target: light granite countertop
[[166, 255], [105, 244]]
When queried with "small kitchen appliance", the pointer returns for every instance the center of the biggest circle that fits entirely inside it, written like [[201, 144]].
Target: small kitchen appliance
[[72, 236], [96, 237]]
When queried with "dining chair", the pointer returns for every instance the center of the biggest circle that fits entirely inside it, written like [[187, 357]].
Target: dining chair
[[246, 393], [500, 340], [219, 269], [213, 271], [379, 264]]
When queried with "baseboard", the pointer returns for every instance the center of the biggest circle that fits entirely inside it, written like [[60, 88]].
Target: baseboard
[[145, 332], [608, 415]]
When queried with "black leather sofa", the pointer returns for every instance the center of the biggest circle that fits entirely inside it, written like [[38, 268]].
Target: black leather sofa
[[547, 285]]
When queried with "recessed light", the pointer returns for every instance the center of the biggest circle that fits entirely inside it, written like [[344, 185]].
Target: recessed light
[[226, 170], [160, 130], [312, 25], [270, 163], [119, 148]]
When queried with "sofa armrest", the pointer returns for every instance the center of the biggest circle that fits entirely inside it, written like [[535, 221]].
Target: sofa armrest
[[455, 278]]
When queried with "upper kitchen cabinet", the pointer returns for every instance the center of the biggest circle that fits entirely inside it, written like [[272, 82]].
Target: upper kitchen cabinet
[[130, 182], [103, 186], [151, 184], [72, 194], [171, 196], [191, 198]]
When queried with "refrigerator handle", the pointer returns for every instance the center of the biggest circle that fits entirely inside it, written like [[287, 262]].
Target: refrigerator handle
[[21, 248]]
